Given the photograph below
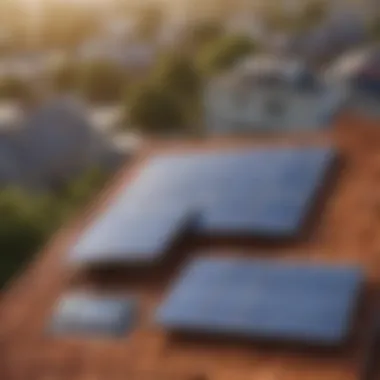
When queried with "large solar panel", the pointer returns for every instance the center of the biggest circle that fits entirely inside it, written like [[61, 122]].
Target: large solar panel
[[255, 192], [81, 313], [132, 235], [262, 299]]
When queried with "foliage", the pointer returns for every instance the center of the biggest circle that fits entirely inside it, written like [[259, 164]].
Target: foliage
[[14, 88], [225, 53], [28, 220], [24, 226], [154, 110], [102, 82], [179, 75], [80, 191]]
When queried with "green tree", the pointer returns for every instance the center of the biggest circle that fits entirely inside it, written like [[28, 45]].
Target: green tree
[[154, 110], [102, 82], [25, 224], [179, 75], [80, 191], [29, 220], [225, 53]]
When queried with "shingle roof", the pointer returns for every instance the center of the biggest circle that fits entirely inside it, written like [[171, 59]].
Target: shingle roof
[[340, 237]]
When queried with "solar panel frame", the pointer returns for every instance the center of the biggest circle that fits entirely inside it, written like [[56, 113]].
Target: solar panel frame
[[286, 301], [84, 314]]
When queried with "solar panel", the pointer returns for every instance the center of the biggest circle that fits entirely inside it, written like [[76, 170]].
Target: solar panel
[[129, 235], [270, 193], [82, 313], [262, 299], [256, 191]]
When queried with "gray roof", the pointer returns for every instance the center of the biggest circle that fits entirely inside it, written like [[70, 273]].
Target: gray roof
[[12, 168], [56, 142]]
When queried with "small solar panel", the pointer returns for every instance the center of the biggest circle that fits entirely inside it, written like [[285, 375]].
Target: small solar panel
[[262, 299], [81, 313], [132, 236]]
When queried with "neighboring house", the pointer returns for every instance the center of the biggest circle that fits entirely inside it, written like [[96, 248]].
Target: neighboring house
[[53, 145], [269, 93], [358, 72]]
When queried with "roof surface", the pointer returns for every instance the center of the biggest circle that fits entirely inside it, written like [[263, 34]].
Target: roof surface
[[346, 232]]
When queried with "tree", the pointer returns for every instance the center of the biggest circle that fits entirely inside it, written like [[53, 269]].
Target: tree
[[102, 82], [25, 225], [226, 53], [78, 192], [27, 220], [179, 75], [154, 110]]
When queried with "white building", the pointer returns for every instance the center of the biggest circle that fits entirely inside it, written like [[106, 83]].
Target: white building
[[269, 94], [358, 72]]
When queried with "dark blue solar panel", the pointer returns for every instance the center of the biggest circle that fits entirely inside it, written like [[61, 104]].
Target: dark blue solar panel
[[256, 298], [131, 235], [269, 193], [85, 314], [257, 191]]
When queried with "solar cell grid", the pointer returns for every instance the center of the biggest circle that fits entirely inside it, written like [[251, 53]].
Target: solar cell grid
[[256, 298]]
